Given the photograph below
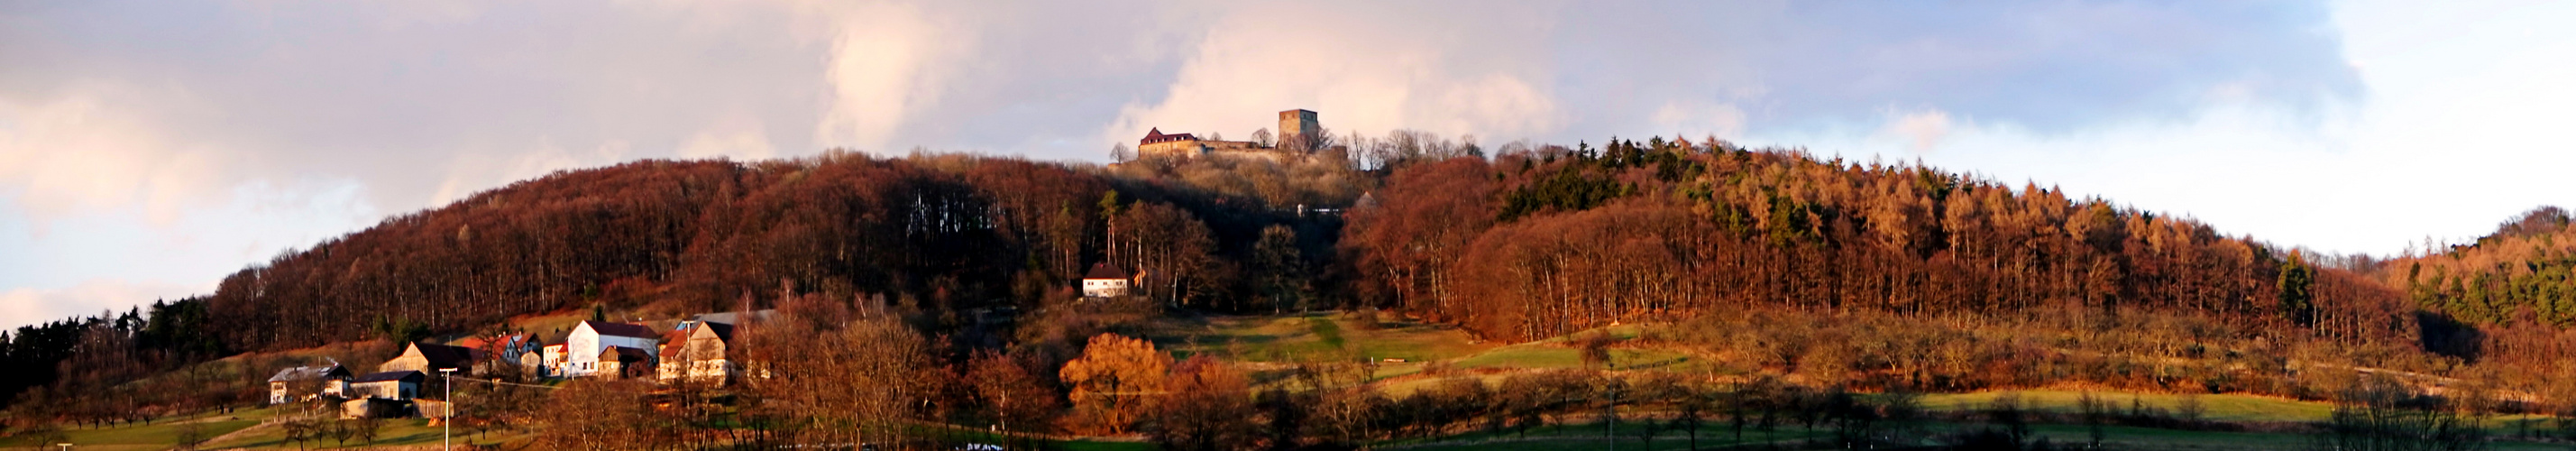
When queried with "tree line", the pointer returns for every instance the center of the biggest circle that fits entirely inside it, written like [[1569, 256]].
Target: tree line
[[1553, 240]]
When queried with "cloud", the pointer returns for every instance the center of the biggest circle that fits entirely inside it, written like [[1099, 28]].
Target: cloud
[[741, 139], [114, 107], [883, 71], [1922, 130], [25, 306], [90, 150], [1375, 70], [1682, 117]]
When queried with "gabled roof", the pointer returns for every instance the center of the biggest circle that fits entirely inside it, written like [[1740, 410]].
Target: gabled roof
[[444, 356], [409, 375], [1156, 135], [621, 329], [308, 372], [735, 318], [1104, 270], [477, 343], [722, 331], [624, 354]]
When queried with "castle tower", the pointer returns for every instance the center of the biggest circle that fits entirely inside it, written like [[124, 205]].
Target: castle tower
[[1296, 122]]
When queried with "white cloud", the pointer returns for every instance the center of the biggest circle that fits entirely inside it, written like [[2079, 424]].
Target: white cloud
[[1479, 72], [739, 138], [889, 62], [91, 150], [1922, 130], [109, 111], [1683, 118], [25, 306], [473, 172]]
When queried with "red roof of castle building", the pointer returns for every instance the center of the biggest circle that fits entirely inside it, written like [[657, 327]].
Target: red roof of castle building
[[1156, 135]]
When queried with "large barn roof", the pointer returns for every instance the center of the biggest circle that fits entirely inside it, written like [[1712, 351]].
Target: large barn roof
[[621, 329]]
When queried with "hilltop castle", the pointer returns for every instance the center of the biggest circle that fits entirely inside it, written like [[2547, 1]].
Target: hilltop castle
[[1294, 127]]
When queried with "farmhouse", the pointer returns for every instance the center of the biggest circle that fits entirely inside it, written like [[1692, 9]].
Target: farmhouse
[[589, 341], [431, 358], [1105, 281], [699, 352], [306, 382]]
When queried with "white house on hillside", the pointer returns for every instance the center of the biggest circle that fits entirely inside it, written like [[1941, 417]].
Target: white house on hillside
[[582, 347], [306, 382], [1104, 281]]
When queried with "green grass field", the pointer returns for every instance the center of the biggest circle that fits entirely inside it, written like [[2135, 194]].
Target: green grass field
[[2229, 407], [158, 435], [395, 432], [1544, 355], [1289, 338], [1590, 436]]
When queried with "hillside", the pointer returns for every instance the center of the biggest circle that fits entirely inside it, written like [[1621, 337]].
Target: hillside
[[2508, 296], [1541, 244], [932, 234], [1701, 266]]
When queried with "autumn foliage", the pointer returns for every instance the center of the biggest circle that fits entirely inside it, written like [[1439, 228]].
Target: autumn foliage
[[1116, 382], [1551, 241]]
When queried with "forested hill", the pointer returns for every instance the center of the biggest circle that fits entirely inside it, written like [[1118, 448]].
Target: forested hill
[[1545, 243], [2510, 293], [933, 233], [2524, 272]]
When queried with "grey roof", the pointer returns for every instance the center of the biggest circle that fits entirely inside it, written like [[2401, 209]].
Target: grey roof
[[307, 372], [622, 329], [734, 318]]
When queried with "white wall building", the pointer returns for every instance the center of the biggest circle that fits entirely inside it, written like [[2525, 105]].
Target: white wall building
[[1104, 281], [582, 347]]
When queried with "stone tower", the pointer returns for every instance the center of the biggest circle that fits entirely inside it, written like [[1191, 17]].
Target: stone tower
[[1296, 122]]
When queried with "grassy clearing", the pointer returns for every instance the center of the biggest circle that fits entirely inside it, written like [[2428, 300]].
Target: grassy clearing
[[1542, 355], [1288, 338], [981, 437], [1590, 436], [2229, 407], [156, 436], [550, 326], [395, 432]]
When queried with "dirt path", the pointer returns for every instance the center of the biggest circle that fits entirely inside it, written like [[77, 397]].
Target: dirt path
[[237, 433]]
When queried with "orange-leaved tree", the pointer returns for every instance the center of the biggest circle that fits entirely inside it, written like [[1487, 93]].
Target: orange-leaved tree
[[1115, 381]]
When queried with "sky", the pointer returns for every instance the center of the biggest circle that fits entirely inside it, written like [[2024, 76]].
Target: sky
[[149, 149]]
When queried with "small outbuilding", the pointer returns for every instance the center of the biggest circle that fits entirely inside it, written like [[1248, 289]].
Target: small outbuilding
[[392, 385], [1105, 281]]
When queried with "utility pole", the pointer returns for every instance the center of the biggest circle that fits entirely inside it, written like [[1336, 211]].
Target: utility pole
[[1610, 429], [447, 416]]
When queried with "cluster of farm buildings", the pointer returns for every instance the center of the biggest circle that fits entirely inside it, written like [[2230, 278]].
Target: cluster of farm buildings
[[696, 350]]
